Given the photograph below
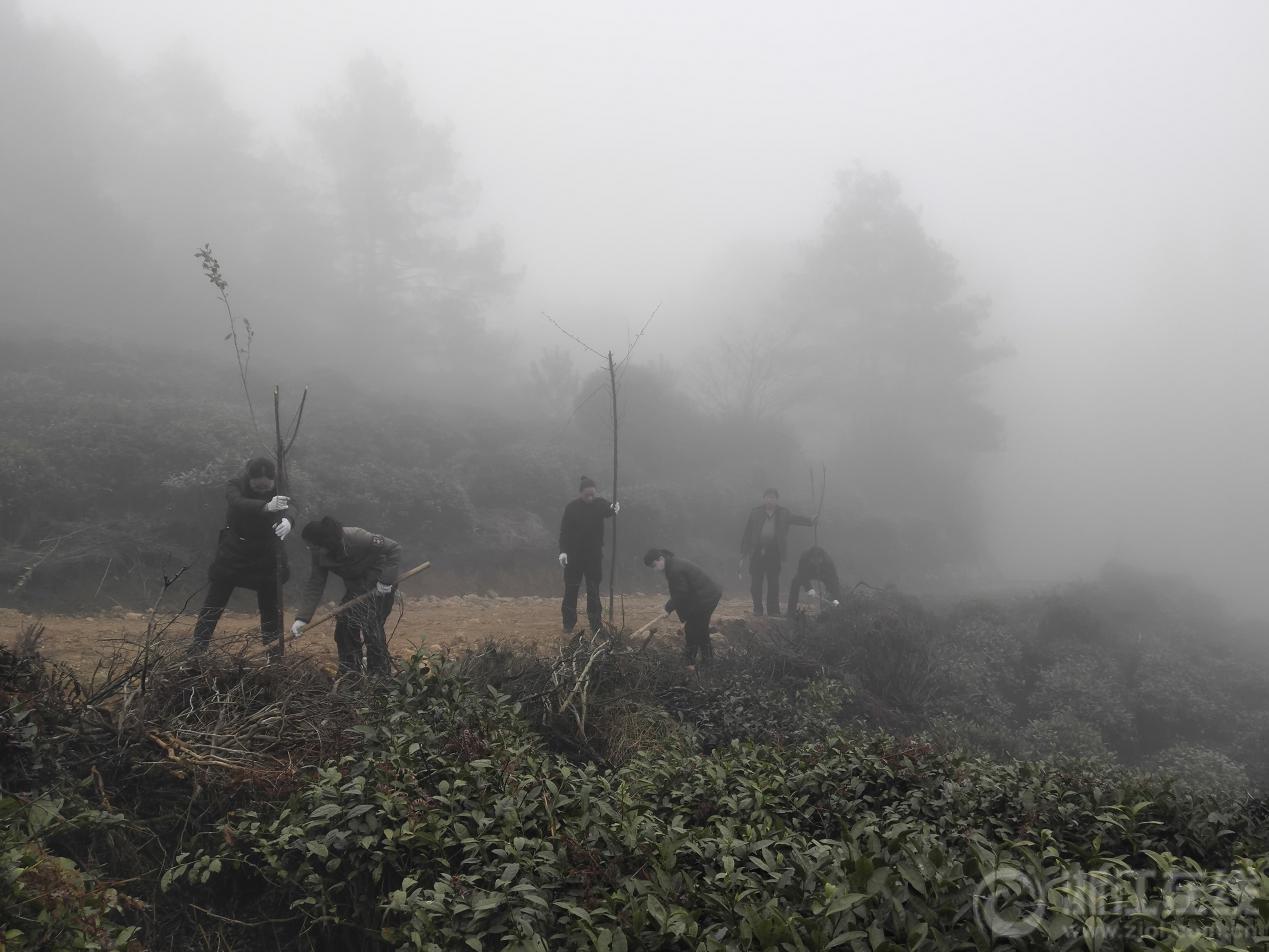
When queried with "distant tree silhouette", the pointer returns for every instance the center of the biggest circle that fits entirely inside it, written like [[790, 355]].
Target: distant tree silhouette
[[400, 210], [884, 342]]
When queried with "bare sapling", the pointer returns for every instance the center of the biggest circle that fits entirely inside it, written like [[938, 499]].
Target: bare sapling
[[282, 441], [616, 370]]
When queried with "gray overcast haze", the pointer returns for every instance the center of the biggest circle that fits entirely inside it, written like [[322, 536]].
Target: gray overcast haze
[[1097, 169]]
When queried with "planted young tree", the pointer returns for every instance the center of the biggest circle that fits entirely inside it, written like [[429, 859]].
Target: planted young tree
[[615, 371], [282, 444]]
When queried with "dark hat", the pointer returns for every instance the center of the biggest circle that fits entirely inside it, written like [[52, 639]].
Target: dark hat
[[771, 492], [653, 554], [587, 483], [325, 533]]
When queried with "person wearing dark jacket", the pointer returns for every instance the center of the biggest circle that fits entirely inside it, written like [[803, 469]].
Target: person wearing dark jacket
[[368, 563], [814, 564], [250, 553], [693, 595], [764, 544], [582, 553]]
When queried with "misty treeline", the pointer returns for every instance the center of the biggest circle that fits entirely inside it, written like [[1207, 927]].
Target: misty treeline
[[357, 253]]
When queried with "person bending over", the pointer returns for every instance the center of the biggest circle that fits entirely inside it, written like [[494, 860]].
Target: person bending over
[[368, 563], [815, 564], [693, 595]]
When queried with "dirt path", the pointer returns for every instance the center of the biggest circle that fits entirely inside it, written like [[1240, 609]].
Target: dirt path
[[433, 623]]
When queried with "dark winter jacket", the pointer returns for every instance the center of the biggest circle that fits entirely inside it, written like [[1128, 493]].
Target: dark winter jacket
[[363, 560], [692, 592], [582, 526], [752, 538], [248, 551]]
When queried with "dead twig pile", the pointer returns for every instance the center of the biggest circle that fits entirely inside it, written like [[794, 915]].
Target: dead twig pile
[[233, 723], [217, 719], [588, 697], [606, 697]]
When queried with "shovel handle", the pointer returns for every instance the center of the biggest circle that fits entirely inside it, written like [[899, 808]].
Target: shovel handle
[[359, 600]]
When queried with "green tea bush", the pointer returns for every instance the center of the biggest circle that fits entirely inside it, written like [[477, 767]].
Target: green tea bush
[[1200, 770], [48, 901], [453, 827], [754, 805], [1063, 734]]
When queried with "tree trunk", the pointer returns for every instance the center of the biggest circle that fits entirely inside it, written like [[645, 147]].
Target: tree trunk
[[280, 490], [612, 559]]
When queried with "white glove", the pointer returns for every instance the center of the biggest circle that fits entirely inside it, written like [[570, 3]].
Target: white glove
[[616, 508], [297, 626], [283, 528], [563, 559], [277, 504], [383, 588]]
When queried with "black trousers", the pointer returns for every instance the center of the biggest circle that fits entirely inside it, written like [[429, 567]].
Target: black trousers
[[696, 634], [764, 566], [591, 568], [361, 627], [218, 592]]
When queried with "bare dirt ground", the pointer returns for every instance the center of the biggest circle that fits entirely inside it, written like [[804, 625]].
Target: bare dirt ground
[[432, 623]]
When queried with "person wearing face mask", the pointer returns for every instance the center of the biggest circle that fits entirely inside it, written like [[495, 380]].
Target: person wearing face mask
[[368, 563], [250, 552], [582, 553]]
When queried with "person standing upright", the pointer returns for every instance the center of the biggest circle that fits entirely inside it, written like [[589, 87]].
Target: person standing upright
[[582, 553], [764, 544], [257, 520]]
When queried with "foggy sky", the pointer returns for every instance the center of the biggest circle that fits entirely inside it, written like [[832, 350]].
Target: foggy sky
[[1097, 169]]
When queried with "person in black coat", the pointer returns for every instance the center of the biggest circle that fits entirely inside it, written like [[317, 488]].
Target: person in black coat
[[250, 553], [764, 544], [582, 553], [814, 564], [693, 595], [369, 564]]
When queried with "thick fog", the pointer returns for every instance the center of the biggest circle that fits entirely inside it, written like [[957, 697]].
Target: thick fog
[[1097, 173]]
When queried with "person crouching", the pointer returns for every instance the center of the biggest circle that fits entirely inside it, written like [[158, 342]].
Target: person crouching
[[693, 595]]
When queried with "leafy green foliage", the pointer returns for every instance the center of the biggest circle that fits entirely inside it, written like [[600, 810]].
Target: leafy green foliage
[[757, 807], [1203, 771], [48, 901], [453, 827]]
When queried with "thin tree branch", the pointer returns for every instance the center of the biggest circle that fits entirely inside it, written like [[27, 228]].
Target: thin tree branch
[[211, 268], [638, 337], [581, 403], [240, 922], [573, 336], [295, 424]]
